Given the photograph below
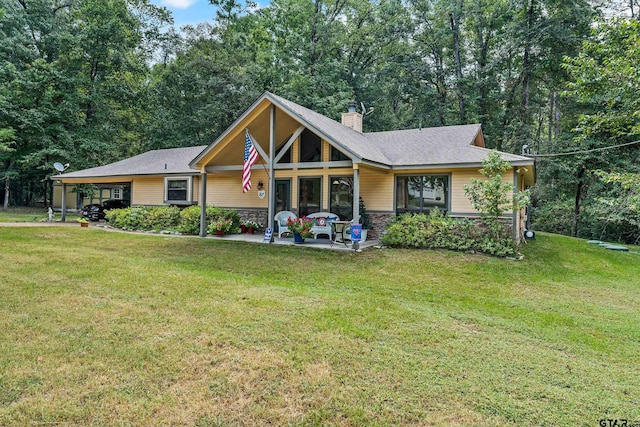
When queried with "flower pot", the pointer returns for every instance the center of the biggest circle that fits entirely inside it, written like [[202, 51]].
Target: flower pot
[[243, 228], [219, 232], [251, 230], [297, 238], [84, 224]]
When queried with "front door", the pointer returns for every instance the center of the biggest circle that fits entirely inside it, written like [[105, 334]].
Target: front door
[[283, 195]]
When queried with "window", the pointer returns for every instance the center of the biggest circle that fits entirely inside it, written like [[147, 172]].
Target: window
[[286, 157], [309, 195], [310, 147], [341, 197], [337, 155], [177, 190], [116, 193], [420, 193]]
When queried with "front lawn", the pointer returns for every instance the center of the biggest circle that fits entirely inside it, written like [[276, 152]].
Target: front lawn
[[105, 328], [21, 214]]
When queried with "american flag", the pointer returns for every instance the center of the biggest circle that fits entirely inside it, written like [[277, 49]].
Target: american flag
[[250, 157]]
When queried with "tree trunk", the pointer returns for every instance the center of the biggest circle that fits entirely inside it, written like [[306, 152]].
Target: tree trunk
[[526, 72], [552, 104], [6, 193], [454, 20], [558, 116], [314, 38], [576, 206]]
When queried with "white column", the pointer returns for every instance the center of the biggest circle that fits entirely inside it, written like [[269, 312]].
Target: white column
[[64, 203], [272, 176], [203, 205], [356, 194]]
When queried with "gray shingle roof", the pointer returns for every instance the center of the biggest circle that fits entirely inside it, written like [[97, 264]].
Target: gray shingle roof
[[350, 140], [170, 161], [450, 146], [445, 145]]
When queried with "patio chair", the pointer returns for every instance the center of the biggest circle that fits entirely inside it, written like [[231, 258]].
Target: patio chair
[[281, 219], [322, 223]]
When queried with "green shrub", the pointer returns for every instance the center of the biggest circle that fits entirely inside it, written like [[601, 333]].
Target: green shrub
[[144, 218], [127, 219], [190, 219], [160, 218], [437, 231]]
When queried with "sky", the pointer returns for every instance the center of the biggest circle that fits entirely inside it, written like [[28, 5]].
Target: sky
[[192, 12], [188, 12]]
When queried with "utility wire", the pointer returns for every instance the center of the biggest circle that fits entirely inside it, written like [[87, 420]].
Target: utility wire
[[583, 151]]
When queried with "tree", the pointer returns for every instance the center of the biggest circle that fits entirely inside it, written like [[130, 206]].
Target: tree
[[604, 85], [491, 197]]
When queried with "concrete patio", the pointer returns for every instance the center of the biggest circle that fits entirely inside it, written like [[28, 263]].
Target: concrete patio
[[320, 243]]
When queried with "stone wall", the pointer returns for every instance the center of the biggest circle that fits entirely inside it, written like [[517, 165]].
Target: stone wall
[[379, 222], [257, 215]]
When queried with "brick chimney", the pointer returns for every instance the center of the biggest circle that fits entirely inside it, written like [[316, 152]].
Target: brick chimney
[[352, 118]]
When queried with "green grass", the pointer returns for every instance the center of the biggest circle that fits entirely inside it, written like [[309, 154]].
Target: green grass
[[20, 214], [103, 328]]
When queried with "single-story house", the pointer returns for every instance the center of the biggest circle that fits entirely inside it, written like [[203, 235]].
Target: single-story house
[[310, 163]]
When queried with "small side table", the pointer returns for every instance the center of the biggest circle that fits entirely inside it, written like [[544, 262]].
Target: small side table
[[338, 231]]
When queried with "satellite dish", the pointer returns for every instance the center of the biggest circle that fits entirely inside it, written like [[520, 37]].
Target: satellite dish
[[58, 166], [364, 110]]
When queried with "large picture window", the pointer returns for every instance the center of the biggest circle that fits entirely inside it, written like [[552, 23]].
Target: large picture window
[[309, 195], [341, 197], [420, 193], [177, 190]]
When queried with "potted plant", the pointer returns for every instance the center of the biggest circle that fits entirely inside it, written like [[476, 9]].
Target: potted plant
[[252, 226], [301, 228], [84, 222], [220, 226], [364, 220]]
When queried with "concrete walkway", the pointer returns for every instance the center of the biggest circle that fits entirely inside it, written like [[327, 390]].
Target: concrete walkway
[[39, 224]]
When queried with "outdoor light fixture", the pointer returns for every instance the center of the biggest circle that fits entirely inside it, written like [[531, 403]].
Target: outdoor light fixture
[[260, 185]]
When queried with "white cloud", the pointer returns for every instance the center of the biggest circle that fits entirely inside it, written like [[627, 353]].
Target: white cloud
[[178, 4]]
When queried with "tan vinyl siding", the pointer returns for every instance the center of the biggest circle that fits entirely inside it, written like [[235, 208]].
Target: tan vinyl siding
[[147, 191], [376, 189], [226, 190], [459, 201], [71, 200], [195, 192]]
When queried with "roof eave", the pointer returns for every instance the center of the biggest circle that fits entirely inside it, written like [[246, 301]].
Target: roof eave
[[456, 165], [60, 177]]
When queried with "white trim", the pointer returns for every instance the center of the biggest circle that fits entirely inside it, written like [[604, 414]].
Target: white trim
[[165, 192]]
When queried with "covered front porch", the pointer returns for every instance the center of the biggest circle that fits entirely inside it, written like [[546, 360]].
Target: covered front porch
[[300, 168]]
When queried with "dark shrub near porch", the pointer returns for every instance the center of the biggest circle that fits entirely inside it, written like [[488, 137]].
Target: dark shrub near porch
[[437, 231]]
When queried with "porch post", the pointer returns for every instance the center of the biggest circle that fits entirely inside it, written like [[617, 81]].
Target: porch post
[[356, 194], [272, 176], [64, 203], [203, 205]]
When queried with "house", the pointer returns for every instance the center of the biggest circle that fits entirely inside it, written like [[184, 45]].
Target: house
[[310, 163]]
